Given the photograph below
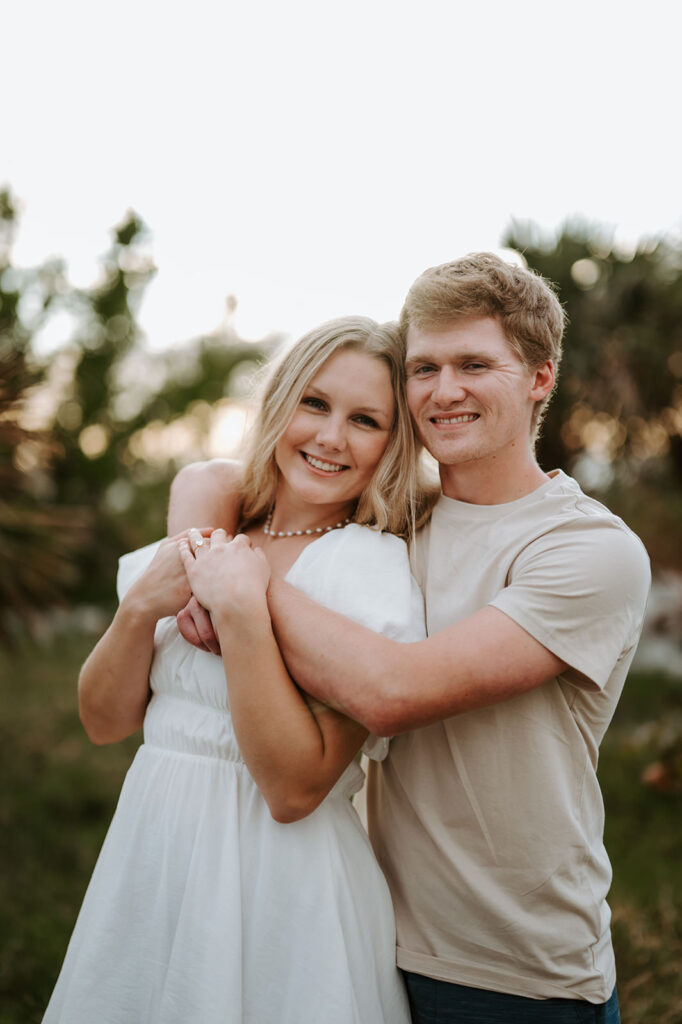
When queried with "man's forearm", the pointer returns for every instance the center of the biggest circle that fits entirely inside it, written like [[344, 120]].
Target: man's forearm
[[392, 687], [315, 643]]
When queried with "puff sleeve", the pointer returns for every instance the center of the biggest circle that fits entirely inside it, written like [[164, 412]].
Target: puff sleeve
[[132, 565], [364, 575]]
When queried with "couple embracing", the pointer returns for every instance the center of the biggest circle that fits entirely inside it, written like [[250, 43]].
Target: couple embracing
[[486, 628]]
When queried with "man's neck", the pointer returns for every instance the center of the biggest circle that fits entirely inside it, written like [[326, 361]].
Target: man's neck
[[490, 484]]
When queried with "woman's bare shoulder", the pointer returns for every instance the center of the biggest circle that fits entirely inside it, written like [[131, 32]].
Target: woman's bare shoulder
[[205, 494], [210, 472]]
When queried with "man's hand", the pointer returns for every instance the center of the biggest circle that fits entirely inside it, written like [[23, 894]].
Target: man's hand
[[195, 625]]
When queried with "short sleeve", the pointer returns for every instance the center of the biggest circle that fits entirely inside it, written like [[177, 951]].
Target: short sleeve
[[131, 567], [419, 555], [581, 591], [364, 575]]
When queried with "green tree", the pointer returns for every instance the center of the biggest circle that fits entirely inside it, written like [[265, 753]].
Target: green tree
[[39, 536], [105, 390], [118, 390], [89, 435], [616, 419]]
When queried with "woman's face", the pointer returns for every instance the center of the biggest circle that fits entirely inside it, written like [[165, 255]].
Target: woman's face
[[339, 432]]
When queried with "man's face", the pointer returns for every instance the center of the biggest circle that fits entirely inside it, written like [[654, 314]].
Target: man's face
[[470, 395]]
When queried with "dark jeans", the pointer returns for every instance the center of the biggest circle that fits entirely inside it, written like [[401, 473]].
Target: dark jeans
[[441, 1002]]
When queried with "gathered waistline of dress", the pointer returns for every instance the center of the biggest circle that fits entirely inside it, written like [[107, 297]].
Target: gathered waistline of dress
[[346, 786], [162, 696], [224, 757]]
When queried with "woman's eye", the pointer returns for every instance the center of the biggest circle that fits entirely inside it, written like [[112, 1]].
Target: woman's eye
[[313, 403], [366, 421]]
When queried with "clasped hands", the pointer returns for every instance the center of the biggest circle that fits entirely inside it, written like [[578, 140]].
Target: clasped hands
[[225, 575]]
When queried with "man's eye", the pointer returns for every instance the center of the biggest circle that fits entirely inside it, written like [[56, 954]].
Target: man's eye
[[475, 366], [421, 371]]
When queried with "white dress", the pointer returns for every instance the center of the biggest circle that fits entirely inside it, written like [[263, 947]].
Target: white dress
[[201, 908]]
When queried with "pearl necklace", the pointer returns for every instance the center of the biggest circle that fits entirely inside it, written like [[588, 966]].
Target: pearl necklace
[[298, 533]]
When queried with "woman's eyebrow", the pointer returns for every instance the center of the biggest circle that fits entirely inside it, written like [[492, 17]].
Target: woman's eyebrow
[[371, 410]]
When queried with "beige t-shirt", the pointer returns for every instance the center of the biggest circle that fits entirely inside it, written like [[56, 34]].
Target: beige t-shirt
[[489, 825]]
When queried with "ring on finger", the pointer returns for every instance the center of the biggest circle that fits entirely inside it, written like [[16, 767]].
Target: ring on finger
[[196, 540]]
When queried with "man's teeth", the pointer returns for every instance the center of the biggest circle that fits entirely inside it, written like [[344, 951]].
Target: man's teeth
[[328, 467], [467, 418]]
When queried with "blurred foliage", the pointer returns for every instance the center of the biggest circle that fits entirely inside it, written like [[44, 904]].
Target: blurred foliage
[[615, 420], [78, 483], [92, 433], [60, 792], [88, 446], [56, 802], [644, 842], [39, 536]]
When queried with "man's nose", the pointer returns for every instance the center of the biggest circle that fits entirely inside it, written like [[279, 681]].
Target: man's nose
[[448, 387]]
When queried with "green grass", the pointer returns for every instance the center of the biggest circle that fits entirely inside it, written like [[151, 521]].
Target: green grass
[[59, 793], [644, 840], [56, 801]]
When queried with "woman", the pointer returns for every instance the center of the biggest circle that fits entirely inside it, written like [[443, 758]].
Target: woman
[[236, 883]]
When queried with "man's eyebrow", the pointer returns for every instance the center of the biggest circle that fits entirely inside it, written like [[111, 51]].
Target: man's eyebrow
[[480, 353], [460, 357], [420, 357]]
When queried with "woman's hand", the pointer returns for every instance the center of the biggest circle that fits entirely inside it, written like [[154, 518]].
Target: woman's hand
[[226, 576], [113, 686], [163, 588]]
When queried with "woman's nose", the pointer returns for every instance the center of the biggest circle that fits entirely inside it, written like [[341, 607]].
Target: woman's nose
[[332, 433]]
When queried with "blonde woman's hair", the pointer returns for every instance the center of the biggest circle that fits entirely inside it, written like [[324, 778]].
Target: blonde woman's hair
[[396, 499], [483, 285]]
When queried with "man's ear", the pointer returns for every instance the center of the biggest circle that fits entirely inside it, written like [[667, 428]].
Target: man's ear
[[542, 381]]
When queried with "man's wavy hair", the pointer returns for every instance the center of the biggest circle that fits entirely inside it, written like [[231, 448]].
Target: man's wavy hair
[[483, 285]]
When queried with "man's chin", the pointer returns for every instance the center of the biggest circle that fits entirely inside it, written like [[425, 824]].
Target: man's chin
[[446, 455], [447, 452]]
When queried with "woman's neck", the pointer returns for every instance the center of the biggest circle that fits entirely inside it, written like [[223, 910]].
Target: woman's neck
[[290, 516]]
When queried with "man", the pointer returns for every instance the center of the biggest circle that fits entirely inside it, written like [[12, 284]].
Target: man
[[487, 816]]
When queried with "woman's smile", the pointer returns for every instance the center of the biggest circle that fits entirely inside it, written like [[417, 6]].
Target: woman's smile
[[322, 464], [329, 451]]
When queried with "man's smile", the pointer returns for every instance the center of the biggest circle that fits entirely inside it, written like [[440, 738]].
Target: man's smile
[[465, 417]]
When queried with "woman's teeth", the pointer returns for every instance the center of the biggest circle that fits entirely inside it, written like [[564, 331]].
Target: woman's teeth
[[328, 467]]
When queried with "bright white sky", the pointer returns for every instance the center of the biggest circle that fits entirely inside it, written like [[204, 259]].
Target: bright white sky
[[312, 158]]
